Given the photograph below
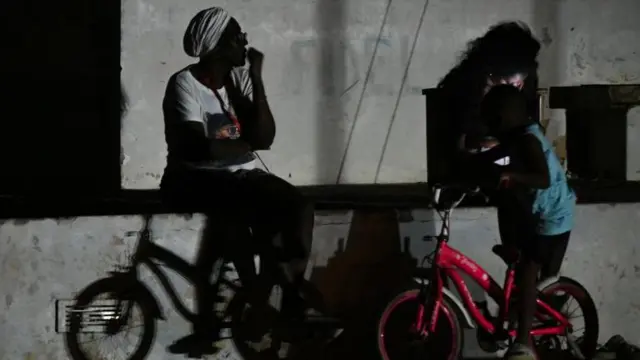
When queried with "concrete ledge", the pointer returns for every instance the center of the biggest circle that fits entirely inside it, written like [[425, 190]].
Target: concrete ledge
[[326, 197]]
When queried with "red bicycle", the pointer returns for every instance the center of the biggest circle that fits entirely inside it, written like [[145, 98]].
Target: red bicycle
[[427, 319]]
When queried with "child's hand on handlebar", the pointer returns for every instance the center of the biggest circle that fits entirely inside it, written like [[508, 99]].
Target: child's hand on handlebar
[[489, 142], [505, 180]]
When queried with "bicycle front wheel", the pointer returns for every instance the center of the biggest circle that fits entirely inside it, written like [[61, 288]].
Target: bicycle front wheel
[[398, 339], [96, 315]]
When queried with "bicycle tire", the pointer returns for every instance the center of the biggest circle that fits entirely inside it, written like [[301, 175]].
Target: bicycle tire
[[589, 344], [236, 312], [105, 286], [448, 313]]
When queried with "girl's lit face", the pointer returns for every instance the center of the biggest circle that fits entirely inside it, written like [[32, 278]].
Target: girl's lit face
[[516, 80]]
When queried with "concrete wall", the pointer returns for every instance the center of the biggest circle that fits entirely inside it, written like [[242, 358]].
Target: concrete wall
[[323, 74], [47, 260], [316, 100]]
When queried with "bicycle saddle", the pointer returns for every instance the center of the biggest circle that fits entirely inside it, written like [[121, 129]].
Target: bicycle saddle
[[508, 254]]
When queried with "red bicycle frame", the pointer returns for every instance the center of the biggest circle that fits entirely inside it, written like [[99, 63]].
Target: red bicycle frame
[[448, 263]]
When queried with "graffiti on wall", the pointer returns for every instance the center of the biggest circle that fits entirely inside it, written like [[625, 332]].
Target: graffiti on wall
[[350, 60]]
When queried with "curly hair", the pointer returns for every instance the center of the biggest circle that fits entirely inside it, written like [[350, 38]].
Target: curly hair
[[505, 49]]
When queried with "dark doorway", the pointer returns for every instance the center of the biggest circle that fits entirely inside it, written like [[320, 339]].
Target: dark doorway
[[60, 128]]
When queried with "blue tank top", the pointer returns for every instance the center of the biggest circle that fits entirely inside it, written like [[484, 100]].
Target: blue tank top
[[554, 206]]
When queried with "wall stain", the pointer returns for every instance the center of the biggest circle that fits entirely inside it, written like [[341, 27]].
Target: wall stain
[[66, 220], [579, 61], [351, 57], [21, 221], [117, 241], [623, 274], [33, 288], [546, 38], [153, 175], [36, 243]]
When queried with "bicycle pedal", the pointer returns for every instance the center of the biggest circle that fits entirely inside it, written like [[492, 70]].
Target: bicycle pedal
[[501, 336]]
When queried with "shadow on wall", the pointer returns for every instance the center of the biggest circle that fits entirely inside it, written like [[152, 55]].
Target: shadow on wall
[[124, 108], [61, 84], [371, 257], [331, 26]]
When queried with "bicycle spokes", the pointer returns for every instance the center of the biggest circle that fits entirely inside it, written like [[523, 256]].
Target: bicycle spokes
[[118, 319]]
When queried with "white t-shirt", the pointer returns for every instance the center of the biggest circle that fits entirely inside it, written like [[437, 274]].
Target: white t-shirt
[[187, 99]]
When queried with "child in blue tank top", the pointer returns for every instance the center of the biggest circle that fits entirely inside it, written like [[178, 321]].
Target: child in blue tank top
[[535, 203]]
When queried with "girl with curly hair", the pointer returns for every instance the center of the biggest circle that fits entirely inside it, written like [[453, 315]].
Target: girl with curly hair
[[490, 100], [505, 54]]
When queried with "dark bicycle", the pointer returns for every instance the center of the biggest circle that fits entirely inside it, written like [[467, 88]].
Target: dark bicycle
[[126, 292]]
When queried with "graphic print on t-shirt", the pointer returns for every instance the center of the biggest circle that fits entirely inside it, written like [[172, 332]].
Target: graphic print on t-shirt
[[222, 126]]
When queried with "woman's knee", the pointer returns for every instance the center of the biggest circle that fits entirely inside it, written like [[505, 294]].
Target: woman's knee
[[303, 205], [293, 201], [303, 210], [281, 200]]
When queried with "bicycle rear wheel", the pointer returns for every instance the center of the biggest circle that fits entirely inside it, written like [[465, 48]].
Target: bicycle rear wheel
[[565, 294], [397, 340]]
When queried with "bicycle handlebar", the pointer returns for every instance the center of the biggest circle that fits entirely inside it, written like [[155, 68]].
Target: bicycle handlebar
[[462, 190]]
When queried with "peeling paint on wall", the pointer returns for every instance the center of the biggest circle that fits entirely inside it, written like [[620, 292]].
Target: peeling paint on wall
[[46, 260]]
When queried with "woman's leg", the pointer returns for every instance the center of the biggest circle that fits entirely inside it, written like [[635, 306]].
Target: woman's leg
[[203, 190], [277, 203], [209, 251]]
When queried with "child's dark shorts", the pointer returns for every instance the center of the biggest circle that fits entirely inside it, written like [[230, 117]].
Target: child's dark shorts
[[518, 229]]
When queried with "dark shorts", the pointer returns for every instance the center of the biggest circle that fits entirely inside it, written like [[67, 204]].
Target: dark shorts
[[518, 230]]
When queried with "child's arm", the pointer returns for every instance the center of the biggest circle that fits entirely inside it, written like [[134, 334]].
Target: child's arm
[[536, 174]]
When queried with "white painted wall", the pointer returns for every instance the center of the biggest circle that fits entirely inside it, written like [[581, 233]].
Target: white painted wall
[[588, 41], [46, 260], [316, 70]]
